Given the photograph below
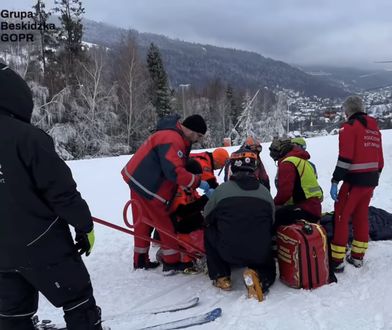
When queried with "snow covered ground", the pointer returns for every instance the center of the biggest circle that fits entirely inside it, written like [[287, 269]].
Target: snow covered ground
[[360, 300]]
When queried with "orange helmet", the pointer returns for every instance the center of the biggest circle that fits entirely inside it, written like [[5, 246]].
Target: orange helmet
[[220, 156], [252, 144]]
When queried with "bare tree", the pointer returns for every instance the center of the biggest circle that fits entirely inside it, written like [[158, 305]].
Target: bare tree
[[132, 79]]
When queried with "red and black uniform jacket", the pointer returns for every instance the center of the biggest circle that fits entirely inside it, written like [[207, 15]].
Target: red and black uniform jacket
[[206, 162], [186, 210], [158, 166], [288, 185], [360, 159]]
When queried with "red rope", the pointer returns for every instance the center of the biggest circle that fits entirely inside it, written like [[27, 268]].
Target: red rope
[[154, 225], [131, 231]]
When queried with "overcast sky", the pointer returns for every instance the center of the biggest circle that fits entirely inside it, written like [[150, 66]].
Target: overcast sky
[[329, 32]]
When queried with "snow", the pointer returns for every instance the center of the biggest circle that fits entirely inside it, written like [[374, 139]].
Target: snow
[[360, 300]]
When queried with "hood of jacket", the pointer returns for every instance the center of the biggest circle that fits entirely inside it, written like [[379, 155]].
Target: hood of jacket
[[297, 152], [15, 95]]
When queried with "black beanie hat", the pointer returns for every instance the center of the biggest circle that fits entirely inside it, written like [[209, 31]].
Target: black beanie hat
[[15, 94], [195, 123]]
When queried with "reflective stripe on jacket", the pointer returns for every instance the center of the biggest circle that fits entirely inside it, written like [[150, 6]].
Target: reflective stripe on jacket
[[307, 176], [360, 158]]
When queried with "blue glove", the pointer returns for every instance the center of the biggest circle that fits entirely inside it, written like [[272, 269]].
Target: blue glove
[[204, 185], [209, 192], [334, 191]]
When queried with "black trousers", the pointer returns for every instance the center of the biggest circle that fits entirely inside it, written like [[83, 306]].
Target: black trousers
[[65, 284], [219, 267]]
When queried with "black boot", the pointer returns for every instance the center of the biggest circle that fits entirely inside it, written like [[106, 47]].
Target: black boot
[[144, 262], [177, 267], [337, 267]]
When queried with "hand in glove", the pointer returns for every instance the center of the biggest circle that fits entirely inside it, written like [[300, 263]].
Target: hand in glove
[[334, 191], [204, 185], [84, 242], [209, 192]]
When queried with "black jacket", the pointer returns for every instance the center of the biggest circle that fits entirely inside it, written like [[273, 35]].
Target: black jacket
[[241, 212], [37, 192]]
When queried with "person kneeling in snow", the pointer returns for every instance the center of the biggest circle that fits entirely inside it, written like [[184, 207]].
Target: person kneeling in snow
[[239, 218]]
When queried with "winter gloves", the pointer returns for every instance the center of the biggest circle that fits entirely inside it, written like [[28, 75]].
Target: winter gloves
[[209, 192], [204, 185], [84, 242], [334, 191]]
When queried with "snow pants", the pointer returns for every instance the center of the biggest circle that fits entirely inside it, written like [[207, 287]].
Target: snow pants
[[353, 202], [157, 214], [66, 284], [219, 267]]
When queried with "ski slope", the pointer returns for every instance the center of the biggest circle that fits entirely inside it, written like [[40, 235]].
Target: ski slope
[[360, 300]]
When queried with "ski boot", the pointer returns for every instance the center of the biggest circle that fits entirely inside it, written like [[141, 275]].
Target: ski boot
[[253, 285], [223, 283], [178, 267]]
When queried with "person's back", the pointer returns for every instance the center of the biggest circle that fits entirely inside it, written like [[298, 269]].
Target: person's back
[[239, 218], [243, 214], [359, 166], [360, 143], [39, 201], [24, 198], [153, 169]]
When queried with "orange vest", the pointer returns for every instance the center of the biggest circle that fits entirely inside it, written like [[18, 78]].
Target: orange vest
[[183, 196], [205, 161]]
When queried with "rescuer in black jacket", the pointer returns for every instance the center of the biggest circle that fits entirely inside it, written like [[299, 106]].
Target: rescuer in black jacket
[[39, 201]]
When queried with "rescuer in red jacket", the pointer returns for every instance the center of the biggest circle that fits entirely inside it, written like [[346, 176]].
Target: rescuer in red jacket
[[298, 194], [153, 174], [359, 166]]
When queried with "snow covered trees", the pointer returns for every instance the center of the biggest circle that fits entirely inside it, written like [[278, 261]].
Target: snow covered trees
[[159, 91], [97, 101]]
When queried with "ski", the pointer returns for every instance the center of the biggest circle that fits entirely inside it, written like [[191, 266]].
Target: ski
[[188, 321], [176, 307]]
